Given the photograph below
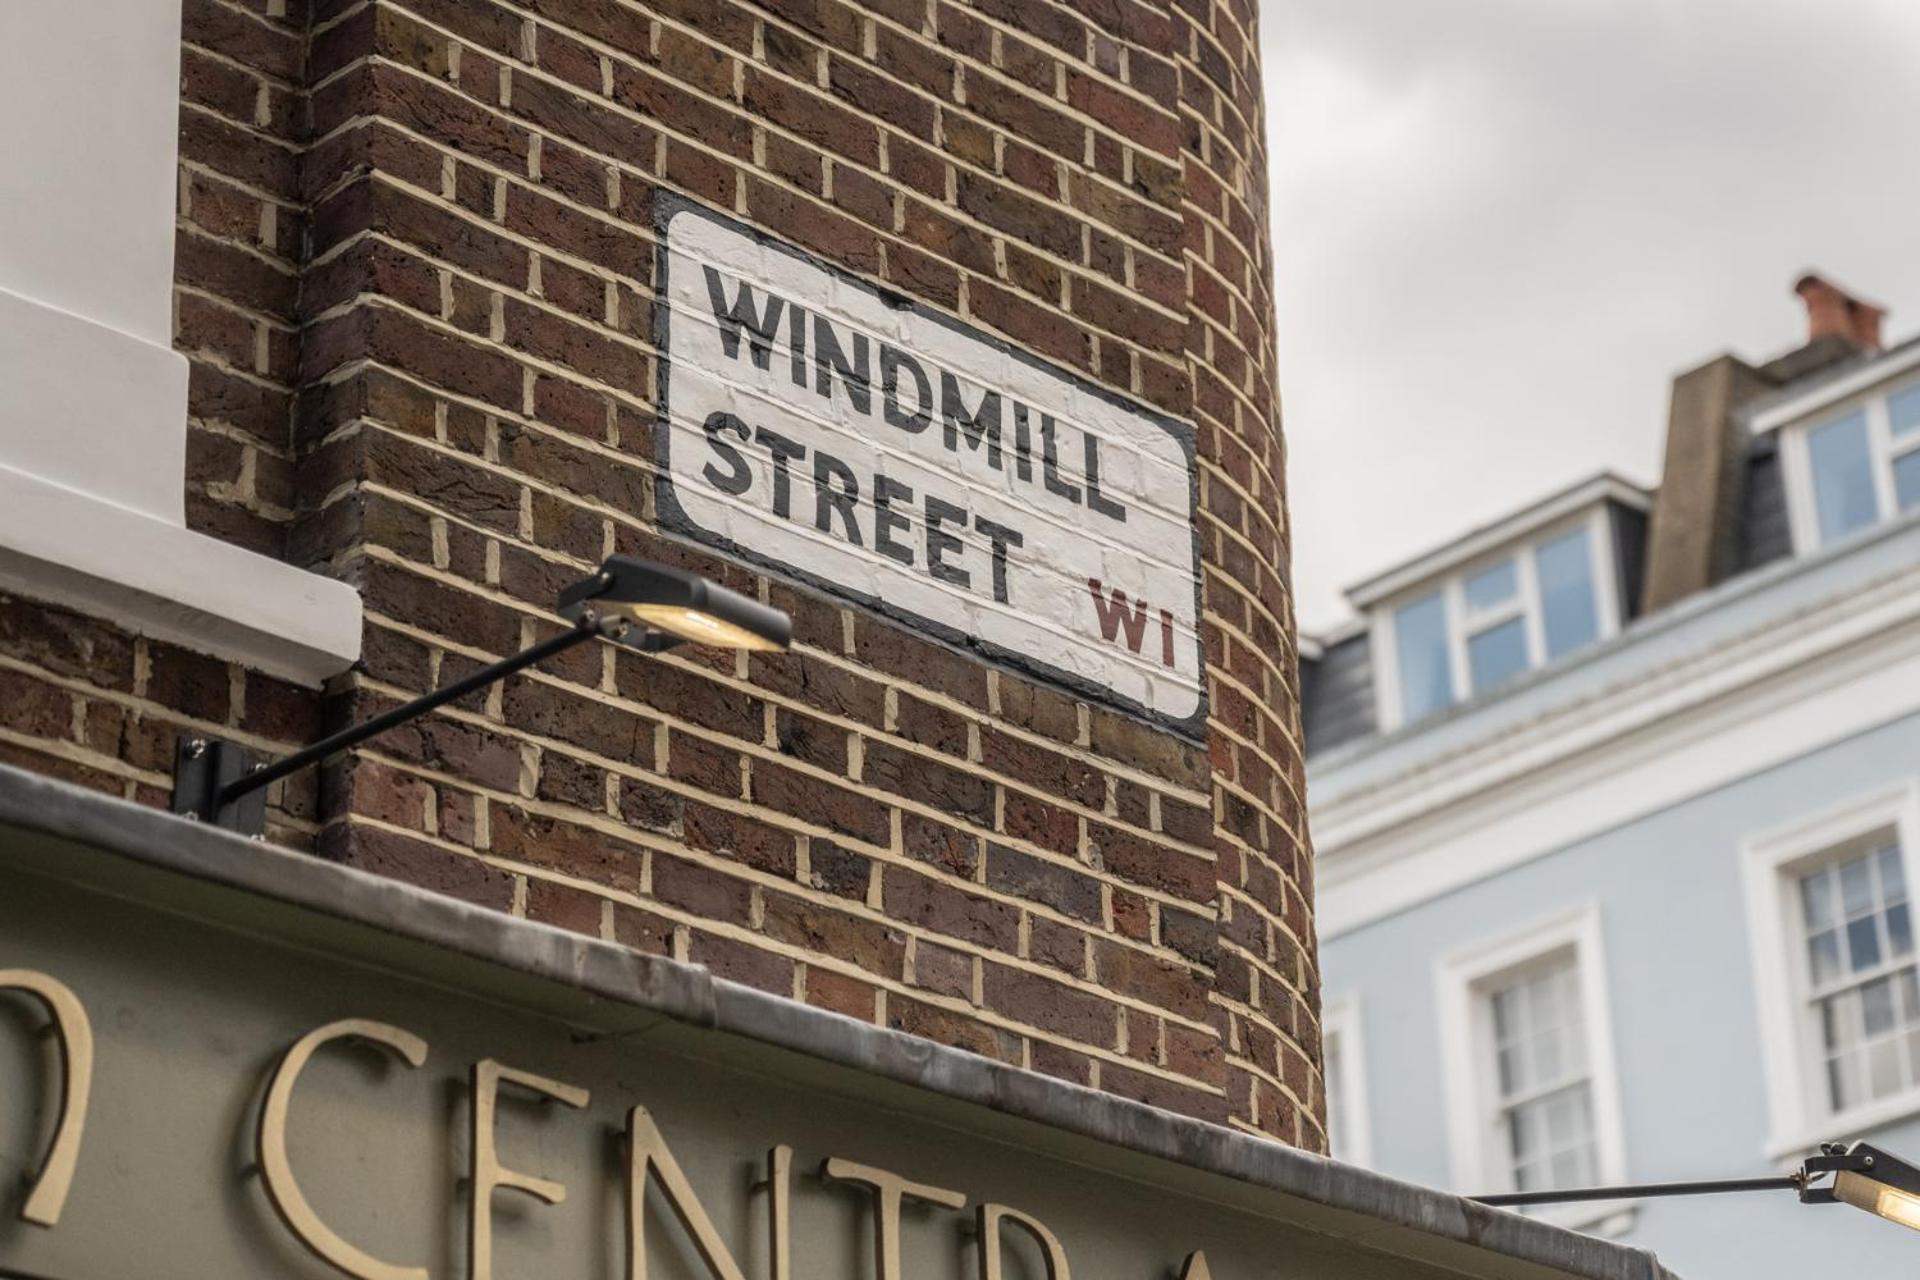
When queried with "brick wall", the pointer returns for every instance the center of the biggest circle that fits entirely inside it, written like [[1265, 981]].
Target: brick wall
[[414, 281]]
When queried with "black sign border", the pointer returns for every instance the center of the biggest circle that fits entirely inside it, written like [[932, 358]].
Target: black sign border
[[672, 517]]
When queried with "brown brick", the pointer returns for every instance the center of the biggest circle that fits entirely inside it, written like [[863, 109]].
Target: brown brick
[[958, 791], [564, 906], [66, 643], [559, 844], [940, 844], [417, 862], [928, 903], [1057, 945], [871, 944], [735, 836], [742, 962], [943, 970], [811, 739], [642, 930], [901, 107], [942, 1026], [1030, 818], [840, 993], [1050, 1006], [702, 890], [34, 708], [1063, 888], [839, 870], [654, 95]]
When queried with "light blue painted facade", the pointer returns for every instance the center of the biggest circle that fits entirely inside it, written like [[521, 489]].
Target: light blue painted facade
[[1670, 893], [1630, 780]]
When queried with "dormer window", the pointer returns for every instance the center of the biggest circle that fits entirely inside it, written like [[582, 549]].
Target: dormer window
[[1854, 466], [1497, 618]]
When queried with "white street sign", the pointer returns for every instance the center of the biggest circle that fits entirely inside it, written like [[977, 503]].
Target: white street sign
[[906, 460]]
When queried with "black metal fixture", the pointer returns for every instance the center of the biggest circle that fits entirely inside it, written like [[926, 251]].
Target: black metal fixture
[[1861, 1175], [641, 605]]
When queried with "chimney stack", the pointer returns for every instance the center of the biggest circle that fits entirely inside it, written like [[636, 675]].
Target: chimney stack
[[1832, 312]]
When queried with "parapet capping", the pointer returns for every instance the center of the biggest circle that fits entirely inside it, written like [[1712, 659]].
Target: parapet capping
[[159, 842]]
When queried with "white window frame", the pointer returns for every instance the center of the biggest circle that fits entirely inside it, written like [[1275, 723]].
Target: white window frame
[[1799, 1112], [1883, 449], [1460, 622], [1463, 982], [1340, 1020]]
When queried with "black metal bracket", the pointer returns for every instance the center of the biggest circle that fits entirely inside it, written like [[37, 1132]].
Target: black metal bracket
[[219, 783], [1833, 1158], [204, 768]]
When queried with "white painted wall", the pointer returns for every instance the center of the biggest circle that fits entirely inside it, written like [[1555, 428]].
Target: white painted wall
[[93, 397]]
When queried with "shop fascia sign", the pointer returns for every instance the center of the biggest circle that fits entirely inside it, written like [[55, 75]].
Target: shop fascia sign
[[650, 1164], [813, 424]]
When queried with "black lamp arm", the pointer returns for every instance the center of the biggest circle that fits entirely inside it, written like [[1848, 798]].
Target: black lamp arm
[[589, 627], [211, 779], [1514, 1199]]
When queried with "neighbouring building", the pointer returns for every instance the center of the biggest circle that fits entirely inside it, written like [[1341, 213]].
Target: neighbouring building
[[341, 336], [1615, 804]]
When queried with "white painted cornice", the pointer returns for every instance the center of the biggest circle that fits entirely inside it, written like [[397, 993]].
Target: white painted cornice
[[1756, 673]]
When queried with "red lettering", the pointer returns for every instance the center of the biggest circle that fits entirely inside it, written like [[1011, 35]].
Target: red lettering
[[1115, 612]]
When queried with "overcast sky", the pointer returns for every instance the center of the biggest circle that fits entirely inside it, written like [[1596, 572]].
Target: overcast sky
[[1500, 226]]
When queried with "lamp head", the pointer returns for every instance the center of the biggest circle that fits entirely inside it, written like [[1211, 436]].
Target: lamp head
[[682, 606], [1883, 1185]]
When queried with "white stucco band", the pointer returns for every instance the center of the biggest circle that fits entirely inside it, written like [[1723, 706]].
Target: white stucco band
[[163, 580], [93, 398]]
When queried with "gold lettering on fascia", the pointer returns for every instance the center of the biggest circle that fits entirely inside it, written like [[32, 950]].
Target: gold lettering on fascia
[[780, 1211], [75, 1034], [276, 1167], [649, 1159], [488, 1174], [992, 1215], [889, 1190]]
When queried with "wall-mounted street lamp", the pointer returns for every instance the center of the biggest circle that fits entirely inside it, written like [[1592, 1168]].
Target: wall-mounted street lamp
[[1861, 1175], [644, 606]]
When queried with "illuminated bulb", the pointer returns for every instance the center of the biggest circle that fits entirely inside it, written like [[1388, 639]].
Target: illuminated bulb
[[1891, 1203], [697, 627]]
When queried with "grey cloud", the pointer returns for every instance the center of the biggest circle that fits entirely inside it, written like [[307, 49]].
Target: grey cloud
[[1501, 225]]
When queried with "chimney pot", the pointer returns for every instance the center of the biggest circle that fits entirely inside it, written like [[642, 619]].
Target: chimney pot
[[1832, 312]]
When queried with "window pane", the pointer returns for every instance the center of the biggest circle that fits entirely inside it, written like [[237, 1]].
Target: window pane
[[1816, 900], [1497, 654], [1523, 1130], [1899, 930], [1842, 476], [1903, 410], [1492, 587], [1883, 1069], [1906, 480], [1856, 885], [1540, 1046], [1893, 876], [1420, 635], [1823, 955], [1566, 592], [1845, 1078], [1876, 1006], [1863, 944]]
